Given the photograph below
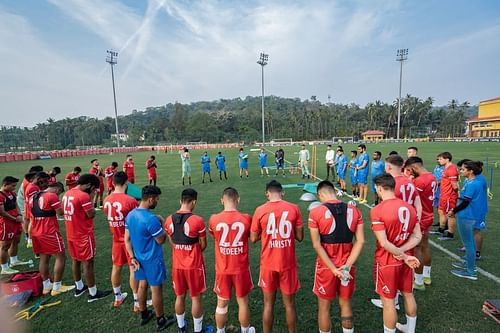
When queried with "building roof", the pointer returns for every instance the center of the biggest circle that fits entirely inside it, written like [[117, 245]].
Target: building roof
[[373, 132], [495, 99], [477, 119]]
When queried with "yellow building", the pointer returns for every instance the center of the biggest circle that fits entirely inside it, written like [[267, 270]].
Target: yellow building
[[487, 122], [373, 135]]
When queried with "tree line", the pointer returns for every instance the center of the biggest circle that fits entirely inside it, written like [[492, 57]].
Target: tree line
[[237, 119]]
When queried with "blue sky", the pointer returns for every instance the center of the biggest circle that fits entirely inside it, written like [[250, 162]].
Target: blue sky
[[53, 52]]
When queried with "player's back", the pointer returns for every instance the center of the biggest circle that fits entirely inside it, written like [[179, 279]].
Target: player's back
[[450, 175], [231, 231], [116, 208], [426, 185], [405, 189], [276, 222], [45, 219], [75, 204]]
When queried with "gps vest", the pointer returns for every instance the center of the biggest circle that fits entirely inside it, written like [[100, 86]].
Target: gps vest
[[37, 211], [342, 233], [10, 204], [179, 237]]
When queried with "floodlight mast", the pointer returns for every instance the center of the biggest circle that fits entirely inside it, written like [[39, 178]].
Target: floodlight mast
[[262, 62], [402, 55], [111, 59]]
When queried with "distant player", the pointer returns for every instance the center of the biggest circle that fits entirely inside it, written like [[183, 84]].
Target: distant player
[[205, 166], [53, 174], [278, 224], [78, 214], [377, 168], [304, 161], [96, 170], [448, 196], [353, 174], [279, 156], [188, 236], [47, 239], [394, 223], [10, 221], [110, 172], [129, 168], [438, 173], [341, 167], [426, 185], [243, 160], [21, 200], [362, 173], [231, 231], [116, 208], [329, 160], [263, 162], [220, 163], [410, 152], [71, 178], [332, 226], [144, 236], [151, 167], [186, 165]]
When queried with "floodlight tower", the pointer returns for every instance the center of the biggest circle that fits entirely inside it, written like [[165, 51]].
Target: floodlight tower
[[111, 59], [262, 62], [402, 55]]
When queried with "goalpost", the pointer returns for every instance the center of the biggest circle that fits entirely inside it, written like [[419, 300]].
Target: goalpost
[[281, 142], [197, 144], [343, 139]]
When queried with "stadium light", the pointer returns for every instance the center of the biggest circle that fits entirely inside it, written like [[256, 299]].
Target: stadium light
[[402, 55], [111, 59], [262, 62]]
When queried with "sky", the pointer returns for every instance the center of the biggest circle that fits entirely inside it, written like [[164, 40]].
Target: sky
[[52, 52]]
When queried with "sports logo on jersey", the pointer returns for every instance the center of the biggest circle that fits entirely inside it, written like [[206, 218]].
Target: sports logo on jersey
[[322, 290]]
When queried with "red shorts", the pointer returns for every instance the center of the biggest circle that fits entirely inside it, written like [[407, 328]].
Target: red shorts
[[241, 282], [152, 176], [391, 278], [119, 254], [101, 188], [328, 286], [192, 279], [82, 249], [426, 225], [446, 204], [287, 281], [110, 186], [8, 230], [48, 243]]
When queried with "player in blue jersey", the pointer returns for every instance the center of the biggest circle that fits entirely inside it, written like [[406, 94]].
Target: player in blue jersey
[[340, 167], [438, 173], [243, 159], [144, 236], [263, 162], [353, 173], [377, 168], [362, 175], [205, 166], [220, 163]]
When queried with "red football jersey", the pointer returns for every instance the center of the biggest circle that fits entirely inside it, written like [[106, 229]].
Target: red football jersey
[[151, 166], [398, 219], [187, 256], [450, 174], [25, 184], [109, 172], [98, 173], [405, 189], [276, 222], [116, 207], [30, 190], [76, 203], [322, 219], [46, 225], [71, 179], [4, 196], [128, 167], [231, 231], [426, 185]]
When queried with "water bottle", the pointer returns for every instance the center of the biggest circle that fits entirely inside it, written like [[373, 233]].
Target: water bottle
[[345, 279]]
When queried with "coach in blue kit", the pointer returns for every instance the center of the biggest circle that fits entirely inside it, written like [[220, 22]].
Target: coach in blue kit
[[144, 235]]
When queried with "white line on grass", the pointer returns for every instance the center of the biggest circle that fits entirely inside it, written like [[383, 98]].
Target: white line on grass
[[481, 271]]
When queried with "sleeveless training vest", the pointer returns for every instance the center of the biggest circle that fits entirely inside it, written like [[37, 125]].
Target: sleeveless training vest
[[179, 237], [10, 204], [342, 233], [37, 211]]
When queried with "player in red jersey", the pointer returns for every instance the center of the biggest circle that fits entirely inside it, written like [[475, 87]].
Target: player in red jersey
[[71, 179], [231, 231], [395, 225], [128, 167], [10, 220], [40, 183], [426, 185], [47, 239], [96, 169], [278, 223], [116, 207], [448, 197], [53, 174], [332, 227], [109, 172], [78, 215], [151, 167], [187, 233]]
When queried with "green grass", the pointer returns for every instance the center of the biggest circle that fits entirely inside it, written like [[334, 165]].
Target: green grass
[[449, 305]]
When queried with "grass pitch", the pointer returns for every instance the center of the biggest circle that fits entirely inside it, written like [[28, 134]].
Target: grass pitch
[[451, 304]]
